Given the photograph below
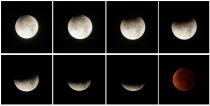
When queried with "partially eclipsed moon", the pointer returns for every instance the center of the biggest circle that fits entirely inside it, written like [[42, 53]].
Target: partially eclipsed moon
[[27, 85], [79, 86], [133, 28], [80, 27], [130, 87], [26, 26], [184, 30]]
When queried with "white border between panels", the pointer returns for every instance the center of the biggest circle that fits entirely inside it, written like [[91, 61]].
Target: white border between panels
[[52, 52], [158, 57], [105, 52]]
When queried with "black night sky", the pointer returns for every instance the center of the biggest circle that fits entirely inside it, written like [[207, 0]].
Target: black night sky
[[64, 43], [15, 67], [41, 42], [181, 11], [117, 43], [168, 94], [132, 69], [79, 68]]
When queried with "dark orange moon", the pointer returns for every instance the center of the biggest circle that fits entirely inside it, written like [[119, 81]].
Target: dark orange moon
[[184, 79]]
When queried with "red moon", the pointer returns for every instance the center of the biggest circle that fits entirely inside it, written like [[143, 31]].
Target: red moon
[[184, 79]]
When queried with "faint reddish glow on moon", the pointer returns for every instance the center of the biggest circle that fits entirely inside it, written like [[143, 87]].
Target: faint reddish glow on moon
[[184, 79]]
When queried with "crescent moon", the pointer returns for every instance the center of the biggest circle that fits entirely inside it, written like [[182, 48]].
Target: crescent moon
[[133, 88], [184, 30], [81, 86], [80, 27], [26, 26], [132, 29], [27, 85]]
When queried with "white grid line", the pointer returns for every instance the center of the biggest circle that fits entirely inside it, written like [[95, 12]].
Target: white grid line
[[158, 57], [106, 52], [52, 52], [209, 49]]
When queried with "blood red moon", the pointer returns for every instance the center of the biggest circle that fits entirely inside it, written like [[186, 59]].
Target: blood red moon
[[184, 79]]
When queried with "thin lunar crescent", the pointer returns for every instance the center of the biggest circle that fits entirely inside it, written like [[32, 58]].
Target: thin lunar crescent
[[26, 26], [79, 86], [133, 87], [132, 29], [80, 27], [184, 30], [27, 85]]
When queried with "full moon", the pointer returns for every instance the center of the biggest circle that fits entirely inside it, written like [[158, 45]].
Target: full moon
[[27, 85], [26, 26], [184, 79], [130, 87], [184, 30], [79, 86], [132, 28], [80, 27]]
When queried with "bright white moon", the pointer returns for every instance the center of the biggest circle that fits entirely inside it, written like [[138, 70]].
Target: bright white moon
[[79, 86], [26, 26], [184, 30], [132, 29], [80, 27], [133, 87], [27, 85]]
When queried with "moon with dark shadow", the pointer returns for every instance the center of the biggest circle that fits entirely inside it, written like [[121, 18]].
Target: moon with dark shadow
[[79, 86], [184, 30], [133, 87], [80, 27], [132, 28], [26, 26], [184, 79], [27, 85]]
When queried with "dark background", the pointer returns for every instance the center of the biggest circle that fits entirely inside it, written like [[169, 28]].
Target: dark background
[[200, 92], [15, 67], [79, 68], [180, 11], [116, 11], [132, 69], [64, 43], [41, 42]]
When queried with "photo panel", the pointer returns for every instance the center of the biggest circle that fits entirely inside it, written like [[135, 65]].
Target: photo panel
[[26, 79], [79, 26], [79, 79], [184, 26], [132, 26], [184, 79], [26, 26], [132, 79]]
